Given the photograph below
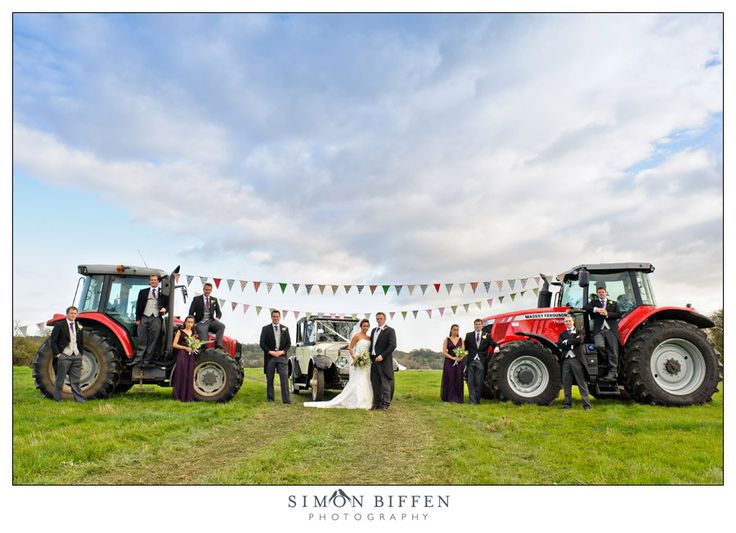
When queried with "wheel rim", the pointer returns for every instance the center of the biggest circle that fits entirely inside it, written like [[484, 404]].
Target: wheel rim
[[209, 378], [678, 366], [527, 376], [90, 370]]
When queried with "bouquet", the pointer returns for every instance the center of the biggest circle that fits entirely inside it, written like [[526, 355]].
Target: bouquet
[[362, 359], [194, 343], [460, 353]]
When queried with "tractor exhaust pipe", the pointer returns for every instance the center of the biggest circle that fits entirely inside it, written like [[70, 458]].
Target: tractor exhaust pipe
[[545, 295]]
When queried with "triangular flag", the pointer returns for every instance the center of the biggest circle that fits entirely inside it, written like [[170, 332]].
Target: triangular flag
[[23, 330], [217, 282], [547, 278], [233, 305], [473, 285], [448, 286], [258, 309], [321, 289], [222, 302], [230, 284], [511, 283], [466, 307], [243, 283], [309, 287], [411, 289], [341, 316], [283, 287], [403, 314], [441, 310], [354, 315], [334, 289], [429, 312], [478, 304], [189, 280], [523, 282], [245, 308], [373, 288], [437, 287], [269, 286], [347, 288], [360, 288], [513, 295], [296, 315], [284, 313], [415, 313], [367, 316], [522, 293], [257, 285], [398, 289], [204, 279], [462, 288], [391, 314], [537, 279], [296, 287], [454, 309], [499, 284], [536, 291], [385, 289], [423, 287], [490, 302], [487, 285], [41, 325], [500, 299], [308, 315]]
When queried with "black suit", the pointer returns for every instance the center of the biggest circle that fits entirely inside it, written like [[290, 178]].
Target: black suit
[[572, 366], [149, 329], [273, 364], [382, 373], [204, 327], [606, 338], [475, 362], [70, 364], [140, 305]]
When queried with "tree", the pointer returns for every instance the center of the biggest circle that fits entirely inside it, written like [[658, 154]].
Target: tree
[[716, 332]]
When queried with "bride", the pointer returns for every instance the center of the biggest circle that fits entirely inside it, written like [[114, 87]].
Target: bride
[[358, 393]]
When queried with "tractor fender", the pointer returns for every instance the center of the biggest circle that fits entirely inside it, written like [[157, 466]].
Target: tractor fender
[[98, 318], [321, 361], [631, 322], [544, 341]]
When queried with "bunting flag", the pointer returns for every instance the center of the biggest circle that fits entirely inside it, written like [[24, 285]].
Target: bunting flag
[[233, 305], [473, 285], [523, 282], [441, 310], [466, 306], [217, 282], [360, 288], [269, 285], [462, 288], [204, 279], [309, 287], [500, 299], [391, 314], [536, 291], [547, 278], [537, 279], [372, 288], [487, 285], [424, 288], [23, 330], [308, 315], [454, 309], [511, 283], [257, 285], [334, 288], [245, 308], [222, 302], [490, 302], [230, 284], [437, 286], [284, 313], [499, 284], [321, 289], [367, 316], [282, 286], [41, 326], [411, 289], [403, 314], [429, 312], [347, 288], [513, 296], [189, 280], [398, 289], [415, 313], [296, 287], [448, 286], [478, 304], [242, 285], [385, 289], [522, 293], [296, 315]]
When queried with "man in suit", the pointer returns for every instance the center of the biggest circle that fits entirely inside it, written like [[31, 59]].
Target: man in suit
[[207, 314], [67, 344], [383, 344], [149, 309], [572, 364], [477, 343], [605, 315], [275, 343]]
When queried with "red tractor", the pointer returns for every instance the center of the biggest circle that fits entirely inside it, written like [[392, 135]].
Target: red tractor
[[665, 356], [107, 313]]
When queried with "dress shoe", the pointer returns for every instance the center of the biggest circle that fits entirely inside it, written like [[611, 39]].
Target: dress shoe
[[567, 406], [586, 408], [132, 362], [611, 376]]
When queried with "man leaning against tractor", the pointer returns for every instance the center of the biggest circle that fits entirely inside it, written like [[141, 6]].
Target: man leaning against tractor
[[67, 343]]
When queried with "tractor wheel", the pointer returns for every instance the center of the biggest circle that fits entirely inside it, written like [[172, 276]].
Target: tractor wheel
[[101, 368], [671, 362], [525, 372], [318, 385], [217, 376]]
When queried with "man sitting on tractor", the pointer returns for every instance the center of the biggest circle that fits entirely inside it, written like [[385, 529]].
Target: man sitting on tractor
[[605, 315]]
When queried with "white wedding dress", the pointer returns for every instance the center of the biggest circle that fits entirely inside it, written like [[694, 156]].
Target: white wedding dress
[[358, 393]]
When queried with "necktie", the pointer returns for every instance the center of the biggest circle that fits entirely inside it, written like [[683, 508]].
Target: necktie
[[477, 339], [603, 303], [207, 304], [154, 294]]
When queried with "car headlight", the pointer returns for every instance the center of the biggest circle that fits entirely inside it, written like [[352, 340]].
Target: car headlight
[[341, 362]]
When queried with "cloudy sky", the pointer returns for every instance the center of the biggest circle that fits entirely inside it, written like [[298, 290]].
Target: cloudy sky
[[358, 149]]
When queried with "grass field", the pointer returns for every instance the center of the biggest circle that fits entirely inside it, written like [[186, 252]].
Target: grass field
[[144, 437]]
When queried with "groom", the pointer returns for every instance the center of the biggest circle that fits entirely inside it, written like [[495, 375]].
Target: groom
[[383, 344]]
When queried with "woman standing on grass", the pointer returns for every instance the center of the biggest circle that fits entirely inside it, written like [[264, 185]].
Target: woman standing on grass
[[183, 378], [453, 388]]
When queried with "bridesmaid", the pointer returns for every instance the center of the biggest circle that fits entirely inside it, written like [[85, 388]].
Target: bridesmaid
[[453, 388], [183, 378]]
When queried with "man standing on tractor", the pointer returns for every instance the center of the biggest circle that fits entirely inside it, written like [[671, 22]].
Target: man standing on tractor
[[149, 308], [605, 315], [207, 314], [67, 344]]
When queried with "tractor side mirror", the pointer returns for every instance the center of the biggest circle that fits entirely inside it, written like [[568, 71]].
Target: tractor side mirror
[[584, 278]]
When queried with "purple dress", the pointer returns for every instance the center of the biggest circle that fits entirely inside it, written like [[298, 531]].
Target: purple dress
[[453, 388], [183, 378]]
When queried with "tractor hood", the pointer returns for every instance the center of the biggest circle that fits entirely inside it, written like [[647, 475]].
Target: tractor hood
[[547, 322]]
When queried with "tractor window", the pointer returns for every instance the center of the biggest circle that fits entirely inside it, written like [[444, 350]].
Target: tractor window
[[123, 297], [572, 294], [618, 287], [90, 298], [645, 289]]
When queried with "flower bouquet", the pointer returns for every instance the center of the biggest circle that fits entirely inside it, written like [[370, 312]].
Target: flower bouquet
[[194, 343], [362, 359], [460, 353]]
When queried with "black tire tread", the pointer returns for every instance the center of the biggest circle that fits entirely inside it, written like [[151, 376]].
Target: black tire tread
[[496, 379]]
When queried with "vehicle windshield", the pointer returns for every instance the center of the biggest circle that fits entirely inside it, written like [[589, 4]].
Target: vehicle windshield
[[617, 285], [89, 300], [328, 331], [123, 297]]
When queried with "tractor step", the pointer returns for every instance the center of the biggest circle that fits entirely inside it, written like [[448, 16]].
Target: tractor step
[[604, 388], [151, 373]]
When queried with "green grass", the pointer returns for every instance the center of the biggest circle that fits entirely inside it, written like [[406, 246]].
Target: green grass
[[144, 437]]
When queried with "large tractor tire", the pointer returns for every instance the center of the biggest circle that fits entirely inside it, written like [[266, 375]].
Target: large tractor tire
[[525, 372], [318, 385], [101, 368], [671, 362], [217, 376]]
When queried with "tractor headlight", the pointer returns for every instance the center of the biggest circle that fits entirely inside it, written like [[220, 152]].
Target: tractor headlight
[[341, 362]]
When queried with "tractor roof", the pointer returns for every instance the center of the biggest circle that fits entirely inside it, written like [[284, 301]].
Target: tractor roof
[[606, 268], [122, 270]]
